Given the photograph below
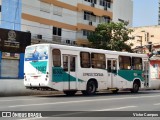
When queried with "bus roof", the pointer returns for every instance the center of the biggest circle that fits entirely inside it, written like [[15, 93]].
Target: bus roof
[[76, 48]]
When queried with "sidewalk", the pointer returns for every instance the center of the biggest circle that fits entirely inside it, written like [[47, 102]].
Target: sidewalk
[[15, 87]]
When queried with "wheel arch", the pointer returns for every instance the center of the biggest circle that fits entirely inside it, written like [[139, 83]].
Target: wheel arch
[[138, 81], [93, 79]]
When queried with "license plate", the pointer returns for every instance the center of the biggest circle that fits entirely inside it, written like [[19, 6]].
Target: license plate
[[35, 77]]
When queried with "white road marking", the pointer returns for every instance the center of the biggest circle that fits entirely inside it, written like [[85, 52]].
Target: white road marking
[[119, 108], [81, 101], [21, 99], [156, 104]]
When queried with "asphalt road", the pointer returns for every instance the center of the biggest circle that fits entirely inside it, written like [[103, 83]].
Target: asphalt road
[[107, 105]]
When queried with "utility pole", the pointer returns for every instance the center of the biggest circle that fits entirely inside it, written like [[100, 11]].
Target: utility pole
[[140, 40]]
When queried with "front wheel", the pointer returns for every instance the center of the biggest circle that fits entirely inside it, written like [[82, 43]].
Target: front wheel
[[135, 88], [70, 93], [91, 88]]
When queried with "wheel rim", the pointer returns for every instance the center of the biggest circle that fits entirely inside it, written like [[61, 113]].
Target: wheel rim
[[91, 88], [136, 87]]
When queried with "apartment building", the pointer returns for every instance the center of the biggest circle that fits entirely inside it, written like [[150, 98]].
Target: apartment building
[[63, 21], [145, 39], [123, 11]]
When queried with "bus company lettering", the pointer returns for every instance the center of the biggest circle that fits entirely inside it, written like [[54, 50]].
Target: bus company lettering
[[92, 74]]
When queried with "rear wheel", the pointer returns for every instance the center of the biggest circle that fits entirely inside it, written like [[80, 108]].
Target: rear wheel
[[70, 93], [135, 87], [91, 88]]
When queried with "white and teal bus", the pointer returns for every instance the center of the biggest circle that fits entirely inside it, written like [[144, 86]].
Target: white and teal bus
[[71, 69]]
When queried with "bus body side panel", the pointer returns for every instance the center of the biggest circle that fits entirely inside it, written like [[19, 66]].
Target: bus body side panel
[[127, 77], [100, 75], [62, 77]]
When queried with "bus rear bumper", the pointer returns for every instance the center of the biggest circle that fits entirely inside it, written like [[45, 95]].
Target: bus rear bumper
[[42, 88]]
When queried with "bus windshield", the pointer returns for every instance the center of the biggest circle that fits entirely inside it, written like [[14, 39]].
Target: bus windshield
[[36, 53]]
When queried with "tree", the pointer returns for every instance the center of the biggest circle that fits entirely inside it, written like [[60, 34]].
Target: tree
[[110, 36]]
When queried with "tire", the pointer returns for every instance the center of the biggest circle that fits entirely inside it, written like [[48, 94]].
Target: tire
[[115, 91], [135, 88], [91, 88], [70, 93]]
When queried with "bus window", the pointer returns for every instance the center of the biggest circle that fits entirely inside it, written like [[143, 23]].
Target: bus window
[[85, 59], [56, 53], [137, 63], [98, 60], [109, 65], [124, 62], [72, 63], [65, 63]]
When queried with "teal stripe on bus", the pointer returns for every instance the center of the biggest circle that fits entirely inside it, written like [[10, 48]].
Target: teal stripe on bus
[[59, 75], [40, 66], [130, 75]]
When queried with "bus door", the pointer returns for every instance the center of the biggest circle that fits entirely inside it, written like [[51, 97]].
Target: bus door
[[146, 73], [112, 72], [69, 76]]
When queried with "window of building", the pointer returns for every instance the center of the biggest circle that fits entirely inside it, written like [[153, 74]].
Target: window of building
[[105, 3], [56, 53], [57, 10], [45, 7], [137, 63], [104, 19], [0, 8], [86, 32], [85, 59], [57, 31], [91, 1], [125, 62], [9, 67], [98, 60], [89, 16]]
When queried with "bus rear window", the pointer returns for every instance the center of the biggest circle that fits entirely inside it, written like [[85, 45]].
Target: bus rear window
[[36, 53]]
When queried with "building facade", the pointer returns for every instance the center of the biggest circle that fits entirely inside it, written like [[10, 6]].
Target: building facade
[[123, 11], [62, 21], [12, 40], [145, 39], [59, 21], [68, 21]]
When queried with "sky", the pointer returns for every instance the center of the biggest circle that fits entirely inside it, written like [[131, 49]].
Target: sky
[[145, 12]]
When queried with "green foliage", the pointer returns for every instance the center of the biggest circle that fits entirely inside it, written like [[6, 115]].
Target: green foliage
[[110, 36]]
